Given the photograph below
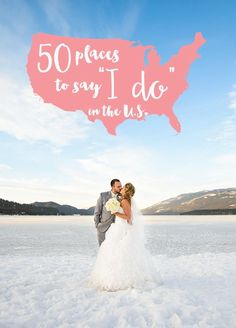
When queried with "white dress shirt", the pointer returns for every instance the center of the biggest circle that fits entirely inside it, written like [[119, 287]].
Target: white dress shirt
[[113, 195]]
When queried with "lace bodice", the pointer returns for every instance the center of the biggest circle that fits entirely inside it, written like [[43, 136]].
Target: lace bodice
[[121, 210], [118, 219]]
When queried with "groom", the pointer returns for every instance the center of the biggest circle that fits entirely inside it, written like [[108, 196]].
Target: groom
[[103, 218]]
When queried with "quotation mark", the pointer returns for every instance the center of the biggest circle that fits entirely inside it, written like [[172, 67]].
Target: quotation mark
[[101, 69], [171, 69]]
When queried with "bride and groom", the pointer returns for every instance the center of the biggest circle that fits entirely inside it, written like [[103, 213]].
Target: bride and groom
[[103, 218], [122, 260]]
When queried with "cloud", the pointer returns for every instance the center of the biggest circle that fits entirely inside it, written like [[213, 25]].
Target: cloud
[[84, 178], [226, 133], [26, 190], [80, 180], [131, 17], [5, 167], [61, 13], [16, 23], [93, 173], [226, 160], [232, 96], [119, 25], [26, 117], [55, 11]]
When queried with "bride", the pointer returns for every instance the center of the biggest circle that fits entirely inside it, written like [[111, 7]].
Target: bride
[[122, 260]]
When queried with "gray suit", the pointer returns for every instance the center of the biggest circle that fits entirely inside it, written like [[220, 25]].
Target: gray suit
[[103, 218]]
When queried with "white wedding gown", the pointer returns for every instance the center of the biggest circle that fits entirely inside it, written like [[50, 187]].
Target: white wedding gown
[[123, 261]]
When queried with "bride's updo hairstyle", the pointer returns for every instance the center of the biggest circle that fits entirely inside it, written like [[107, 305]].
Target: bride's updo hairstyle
[[129, 191]]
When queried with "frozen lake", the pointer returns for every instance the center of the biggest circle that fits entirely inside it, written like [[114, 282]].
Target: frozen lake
[[71, 235], [44, 262]]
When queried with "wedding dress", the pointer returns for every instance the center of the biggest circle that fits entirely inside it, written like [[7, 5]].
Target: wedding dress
[[123, 261]]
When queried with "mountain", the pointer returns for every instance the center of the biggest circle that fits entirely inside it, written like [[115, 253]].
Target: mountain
[[41, 208], [216, 201], [65, 209], [13, 208]]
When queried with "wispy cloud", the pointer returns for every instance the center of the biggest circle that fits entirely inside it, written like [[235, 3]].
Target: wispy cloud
[[226, 160], [131, 17], [16, 22], [226, 133], [124, 23], [28, 190], [93, 173], [232, 96], [5, 167], [26, 117], [56, 12]]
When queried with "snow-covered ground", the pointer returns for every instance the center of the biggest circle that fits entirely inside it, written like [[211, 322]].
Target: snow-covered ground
[[44, 262]]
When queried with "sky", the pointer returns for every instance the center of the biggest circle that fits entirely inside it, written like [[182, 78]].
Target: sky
[[47, 154]]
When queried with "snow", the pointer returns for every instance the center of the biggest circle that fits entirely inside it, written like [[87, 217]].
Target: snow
[[44, 263]]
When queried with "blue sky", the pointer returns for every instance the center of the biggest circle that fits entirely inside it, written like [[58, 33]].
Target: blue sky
[[48, 154]]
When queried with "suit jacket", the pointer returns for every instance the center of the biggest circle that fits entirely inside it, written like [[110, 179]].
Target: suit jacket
[[103, 218]]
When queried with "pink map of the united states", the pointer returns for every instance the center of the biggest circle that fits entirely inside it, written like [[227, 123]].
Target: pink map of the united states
[[110, 80]]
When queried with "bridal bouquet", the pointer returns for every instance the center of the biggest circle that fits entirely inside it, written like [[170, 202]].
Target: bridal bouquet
[[112, 205]]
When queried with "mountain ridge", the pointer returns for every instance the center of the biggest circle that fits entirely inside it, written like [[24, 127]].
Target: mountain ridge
[[215, 201]]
